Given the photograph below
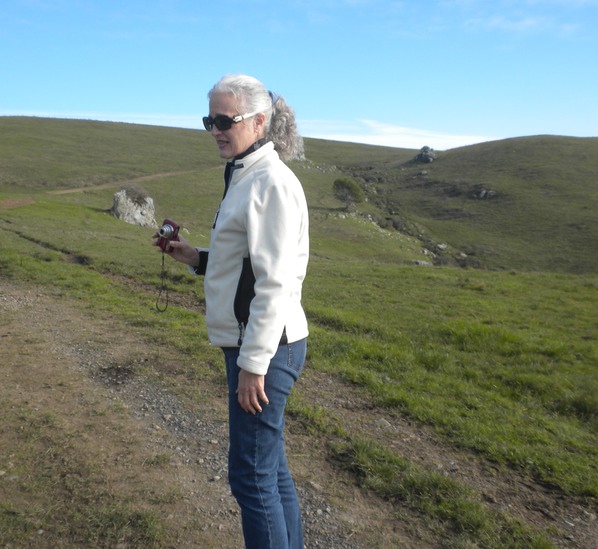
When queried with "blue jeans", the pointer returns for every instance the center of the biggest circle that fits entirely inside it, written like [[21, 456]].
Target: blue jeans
[[258, 472]]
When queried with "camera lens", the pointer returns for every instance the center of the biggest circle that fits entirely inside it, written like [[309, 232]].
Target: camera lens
[[166, 231]]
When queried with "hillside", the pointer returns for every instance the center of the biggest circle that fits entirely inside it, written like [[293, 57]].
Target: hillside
[[524, 203], [445, 406]]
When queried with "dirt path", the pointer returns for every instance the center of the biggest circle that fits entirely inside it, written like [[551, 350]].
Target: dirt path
[[10, 203], [102, 383], [83, 371], [141, 179]]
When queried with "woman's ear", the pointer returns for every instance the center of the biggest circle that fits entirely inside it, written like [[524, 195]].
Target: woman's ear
[[259, 123]]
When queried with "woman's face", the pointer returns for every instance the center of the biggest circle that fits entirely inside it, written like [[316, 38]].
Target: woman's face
[[241, 135]]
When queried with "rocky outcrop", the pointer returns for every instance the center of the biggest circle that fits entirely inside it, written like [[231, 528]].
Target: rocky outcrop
[[426, 155], [134, 206]]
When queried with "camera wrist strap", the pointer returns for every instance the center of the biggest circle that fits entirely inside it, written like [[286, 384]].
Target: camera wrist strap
[[163, 288]]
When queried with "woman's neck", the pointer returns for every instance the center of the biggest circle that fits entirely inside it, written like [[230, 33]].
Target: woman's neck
[[259, 143]]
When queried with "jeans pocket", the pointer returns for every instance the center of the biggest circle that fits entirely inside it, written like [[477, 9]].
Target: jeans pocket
[[296, 357]]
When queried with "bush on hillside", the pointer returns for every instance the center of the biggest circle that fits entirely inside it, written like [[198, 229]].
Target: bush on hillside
[[347, 190]]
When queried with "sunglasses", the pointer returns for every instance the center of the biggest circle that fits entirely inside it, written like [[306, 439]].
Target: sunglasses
[[223, 122]]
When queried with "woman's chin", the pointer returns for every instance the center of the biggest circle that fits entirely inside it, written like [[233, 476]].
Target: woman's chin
[[225, 151]]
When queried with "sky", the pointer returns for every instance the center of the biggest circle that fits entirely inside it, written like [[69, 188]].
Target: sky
[[436, 73]]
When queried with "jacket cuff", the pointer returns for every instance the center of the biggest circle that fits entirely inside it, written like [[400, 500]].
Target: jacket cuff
[[200, 269], [252, 367]]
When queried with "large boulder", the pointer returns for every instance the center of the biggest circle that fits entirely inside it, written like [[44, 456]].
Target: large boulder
[[134, 206], [426, 155]]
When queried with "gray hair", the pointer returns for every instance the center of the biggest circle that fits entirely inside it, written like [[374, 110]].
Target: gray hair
[[253, 97]]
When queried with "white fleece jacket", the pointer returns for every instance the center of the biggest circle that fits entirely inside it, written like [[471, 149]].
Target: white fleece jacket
[[263, 216]]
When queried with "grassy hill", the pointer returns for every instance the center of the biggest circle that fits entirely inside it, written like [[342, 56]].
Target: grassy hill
[[523, 203], [540, 194], [498, 361]]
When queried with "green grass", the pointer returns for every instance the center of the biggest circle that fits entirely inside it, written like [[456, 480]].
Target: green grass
[[488, 359], [500, 362], [37, 153], [542, 216], [453, 511]]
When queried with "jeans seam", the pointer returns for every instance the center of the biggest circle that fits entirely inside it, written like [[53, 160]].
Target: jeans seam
[[256, 480]]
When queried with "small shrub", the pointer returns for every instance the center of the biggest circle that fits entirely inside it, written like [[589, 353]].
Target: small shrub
[[347, 190]]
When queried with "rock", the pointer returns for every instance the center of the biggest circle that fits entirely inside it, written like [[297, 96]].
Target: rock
[[132, 205], [383, 423], [426, 155], [484, 194]]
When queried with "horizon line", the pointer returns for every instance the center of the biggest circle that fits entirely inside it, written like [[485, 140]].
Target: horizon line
[[359, 131]]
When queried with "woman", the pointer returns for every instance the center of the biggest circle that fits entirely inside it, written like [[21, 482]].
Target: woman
[[254, 270]]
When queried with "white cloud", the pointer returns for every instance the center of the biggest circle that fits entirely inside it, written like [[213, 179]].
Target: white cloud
[[373, 132], [509, 24]]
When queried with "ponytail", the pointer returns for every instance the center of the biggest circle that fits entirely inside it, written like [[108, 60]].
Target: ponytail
[[281, 127]]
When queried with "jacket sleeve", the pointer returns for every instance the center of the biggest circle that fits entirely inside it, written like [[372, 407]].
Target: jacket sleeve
[[274, 223]]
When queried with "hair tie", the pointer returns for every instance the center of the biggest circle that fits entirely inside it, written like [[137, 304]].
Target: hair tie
[[273, 96]]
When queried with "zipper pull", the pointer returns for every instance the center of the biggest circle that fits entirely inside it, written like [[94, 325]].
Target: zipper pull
[[241, 333]]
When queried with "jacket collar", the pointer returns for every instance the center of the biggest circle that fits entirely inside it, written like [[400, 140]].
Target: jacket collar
[[258, 144], [248, 157]]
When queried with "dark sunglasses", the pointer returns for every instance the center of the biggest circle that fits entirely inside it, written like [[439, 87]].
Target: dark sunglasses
[[223, 122]]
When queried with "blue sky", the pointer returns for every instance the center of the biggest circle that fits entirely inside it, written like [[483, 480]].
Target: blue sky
[[441, 73]]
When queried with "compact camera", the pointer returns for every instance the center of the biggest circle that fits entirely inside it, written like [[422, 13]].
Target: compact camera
[[169, 231]]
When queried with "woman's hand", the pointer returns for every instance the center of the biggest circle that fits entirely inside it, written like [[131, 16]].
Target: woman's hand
[[180, 250], [250, 392]]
